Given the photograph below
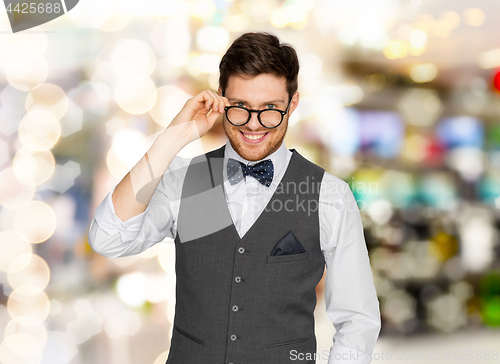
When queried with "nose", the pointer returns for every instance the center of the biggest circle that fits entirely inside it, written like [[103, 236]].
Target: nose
[[254, 124]]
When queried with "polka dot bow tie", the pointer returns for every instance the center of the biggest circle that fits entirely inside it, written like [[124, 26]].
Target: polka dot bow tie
[[262, 171]]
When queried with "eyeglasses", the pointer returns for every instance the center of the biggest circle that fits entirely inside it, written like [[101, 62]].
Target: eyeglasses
[[268, 118]]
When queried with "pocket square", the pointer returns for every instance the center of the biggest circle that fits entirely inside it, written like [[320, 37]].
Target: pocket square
[[288, 245]]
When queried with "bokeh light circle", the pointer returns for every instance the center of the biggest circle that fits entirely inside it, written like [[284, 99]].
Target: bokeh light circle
[[39, 130], [14, 193], [29, 75], [212, 38], [116, 166], [10, 347], [133, 56], [135, 93], [474, 17], [426, 72], [12, 244], [28, 326], [129, 147], [36, 221], [33, 167], [106, 16], [23, 345], [28, 269], [20, 48], [132, 288], [170, 101], [49, 97], [202, 9], [34, 332], [28, 301]]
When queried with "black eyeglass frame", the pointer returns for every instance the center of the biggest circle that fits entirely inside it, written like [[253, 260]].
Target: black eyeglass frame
[[250, 111]]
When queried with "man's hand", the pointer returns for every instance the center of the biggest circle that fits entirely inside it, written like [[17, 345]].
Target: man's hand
[[198, 115]]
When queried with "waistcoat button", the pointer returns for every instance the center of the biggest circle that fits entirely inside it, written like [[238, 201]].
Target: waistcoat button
[[235, 308], [241, 250], [233, 337], [237, 279]]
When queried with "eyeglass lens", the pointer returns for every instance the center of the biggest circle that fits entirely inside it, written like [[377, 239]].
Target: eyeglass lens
[[269, 117]]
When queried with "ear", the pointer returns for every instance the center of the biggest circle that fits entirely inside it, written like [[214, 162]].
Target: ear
[[294, 103], [219, 90]]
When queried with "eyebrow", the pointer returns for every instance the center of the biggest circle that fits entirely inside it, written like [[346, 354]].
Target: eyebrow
[[264, 103]]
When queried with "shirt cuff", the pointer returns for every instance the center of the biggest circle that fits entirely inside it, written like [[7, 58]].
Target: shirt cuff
[[107, 220], [343, 355]]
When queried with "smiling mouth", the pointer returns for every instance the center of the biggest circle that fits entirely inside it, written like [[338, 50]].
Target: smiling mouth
[[254, 136]]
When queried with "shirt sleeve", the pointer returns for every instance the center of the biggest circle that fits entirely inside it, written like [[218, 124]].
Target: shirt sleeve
[[112, 237], [350, 296]]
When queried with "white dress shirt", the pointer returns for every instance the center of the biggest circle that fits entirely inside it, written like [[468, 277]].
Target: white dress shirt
[[350, 296]]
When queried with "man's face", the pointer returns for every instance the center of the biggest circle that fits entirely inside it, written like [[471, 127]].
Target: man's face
[[257, 93]]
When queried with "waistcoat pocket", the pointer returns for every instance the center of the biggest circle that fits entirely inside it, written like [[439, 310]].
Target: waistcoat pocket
[[287, 342], [188, 335], [287, 258]]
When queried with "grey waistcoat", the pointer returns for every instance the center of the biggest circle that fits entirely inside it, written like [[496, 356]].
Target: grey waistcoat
[[234, 302]]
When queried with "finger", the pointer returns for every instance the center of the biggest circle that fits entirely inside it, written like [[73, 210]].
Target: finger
[[208, 100], [204, 99], [222, 103], [226, 101], [216, 105], [212, 118]]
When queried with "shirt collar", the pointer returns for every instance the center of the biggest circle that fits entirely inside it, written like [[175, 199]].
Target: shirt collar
[[278, 157]]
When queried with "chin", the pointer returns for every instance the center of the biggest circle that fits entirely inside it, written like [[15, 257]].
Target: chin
[[251, 155], [258, 151]]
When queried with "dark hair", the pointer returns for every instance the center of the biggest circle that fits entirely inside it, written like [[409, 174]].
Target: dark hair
[[252, 54]]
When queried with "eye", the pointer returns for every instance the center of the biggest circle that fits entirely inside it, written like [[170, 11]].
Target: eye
[[240, 104], [270, 106]]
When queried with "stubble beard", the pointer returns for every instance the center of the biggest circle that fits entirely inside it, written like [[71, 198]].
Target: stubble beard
[[251, 155]]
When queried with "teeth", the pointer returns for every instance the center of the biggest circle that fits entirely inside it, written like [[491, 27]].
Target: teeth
[[253, 137]]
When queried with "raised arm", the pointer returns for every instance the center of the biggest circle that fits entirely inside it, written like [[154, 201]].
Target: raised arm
[[141, 209], [133, 193]]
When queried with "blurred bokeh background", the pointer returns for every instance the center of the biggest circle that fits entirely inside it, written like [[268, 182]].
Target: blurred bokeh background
[[399, 98]]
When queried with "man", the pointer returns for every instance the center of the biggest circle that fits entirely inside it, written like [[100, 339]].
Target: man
[[253, 223]]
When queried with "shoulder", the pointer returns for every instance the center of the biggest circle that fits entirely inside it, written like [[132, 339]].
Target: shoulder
[[330, 183], [333, 188], [306, 165], [179, 162], [207, 156], [178, 165]]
